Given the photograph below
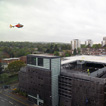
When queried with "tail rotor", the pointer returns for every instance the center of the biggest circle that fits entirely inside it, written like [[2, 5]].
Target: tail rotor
[[11, 26]]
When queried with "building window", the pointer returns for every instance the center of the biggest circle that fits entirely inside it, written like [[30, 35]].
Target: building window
[[40, 61], [33, 60], [29, 60]]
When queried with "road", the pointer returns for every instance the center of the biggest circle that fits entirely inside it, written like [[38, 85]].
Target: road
[[6, 100]]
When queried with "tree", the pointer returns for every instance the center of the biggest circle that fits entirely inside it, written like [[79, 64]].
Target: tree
[[67, 53], [1, 68], [17, 49], [96, 46], [4, 77], [15, 66], [79, 51], [75, 52], [56, 48], [83, 46], [56, 53]]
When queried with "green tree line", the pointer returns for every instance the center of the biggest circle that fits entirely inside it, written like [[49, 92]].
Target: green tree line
[[17, 49]]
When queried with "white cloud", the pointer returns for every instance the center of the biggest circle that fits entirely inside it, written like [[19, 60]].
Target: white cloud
[[53, 20]]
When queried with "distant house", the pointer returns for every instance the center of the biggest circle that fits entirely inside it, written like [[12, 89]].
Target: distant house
[[93, 51], [6, 61]]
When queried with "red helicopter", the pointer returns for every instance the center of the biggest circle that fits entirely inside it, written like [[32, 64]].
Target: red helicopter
[[18, 26]]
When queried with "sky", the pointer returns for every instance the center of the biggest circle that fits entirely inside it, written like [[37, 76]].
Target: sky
[[53, 20]]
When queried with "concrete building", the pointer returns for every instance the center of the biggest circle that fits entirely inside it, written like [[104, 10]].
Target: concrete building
[[104, 38], [104, 41], [75, 44], [40, 79], [75, 81], [89, 42]]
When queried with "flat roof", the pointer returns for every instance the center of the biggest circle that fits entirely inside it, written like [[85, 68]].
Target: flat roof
[[89, 58], [44, 55], [7, 59]]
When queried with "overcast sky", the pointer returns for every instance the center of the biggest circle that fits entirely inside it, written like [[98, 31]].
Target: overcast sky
[[53, 20]]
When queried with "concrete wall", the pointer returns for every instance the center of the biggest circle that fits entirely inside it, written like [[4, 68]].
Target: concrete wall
[[87, 88], [55, 72]]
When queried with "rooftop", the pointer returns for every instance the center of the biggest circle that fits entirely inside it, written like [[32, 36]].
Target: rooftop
[[95, 59], [79, 65], [7, 59], [44, 55]]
